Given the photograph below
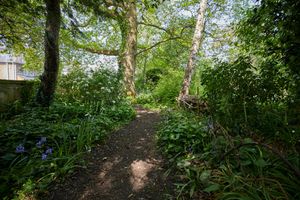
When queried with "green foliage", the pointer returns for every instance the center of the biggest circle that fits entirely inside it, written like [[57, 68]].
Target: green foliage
[[271, 31], [168, 87], [71, 126], [182, 133], [21, 27], [149, 80], [246, 147], [80, 87], [239, 94], [214, 164]]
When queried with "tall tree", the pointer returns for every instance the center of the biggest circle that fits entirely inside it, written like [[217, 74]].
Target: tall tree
[[128, 50], [196, 42], [51, 65], [124, 13]]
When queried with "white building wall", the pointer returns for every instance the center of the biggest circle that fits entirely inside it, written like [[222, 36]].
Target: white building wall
[[3, 71], [8, 66]]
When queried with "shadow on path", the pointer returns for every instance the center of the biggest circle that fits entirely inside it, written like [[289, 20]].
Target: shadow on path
[[128, 166]]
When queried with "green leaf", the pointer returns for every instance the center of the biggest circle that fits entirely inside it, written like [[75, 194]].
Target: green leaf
[[246, 162], [212, 188], [192, 190], [205, 175], [260, 162], [248, 140], [184, 163], [8, 156]]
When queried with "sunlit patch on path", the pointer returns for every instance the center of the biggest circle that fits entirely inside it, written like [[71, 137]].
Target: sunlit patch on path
[[127, 166], [139, 173]]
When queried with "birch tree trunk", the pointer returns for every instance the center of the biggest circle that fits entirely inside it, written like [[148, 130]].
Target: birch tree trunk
[[51, 65], [194, 50]]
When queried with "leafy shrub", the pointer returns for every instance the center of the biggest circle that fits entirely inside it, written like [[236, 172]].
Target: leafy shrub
[[182, 133], [239, 95], [144, 98], [81, 87], [168, 87]]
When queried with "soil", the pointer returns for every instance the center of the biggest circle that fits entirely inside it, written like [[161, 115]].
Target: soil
[[127, 166]]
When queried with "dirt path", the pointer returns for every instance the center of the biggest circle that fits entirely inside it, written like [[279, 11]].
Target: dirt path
[[128, 166]]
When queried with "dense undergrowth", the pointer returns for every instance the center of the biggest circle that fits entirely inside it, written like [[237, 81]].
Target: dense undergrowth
[[214, 163], [244, 144], [40, 145]]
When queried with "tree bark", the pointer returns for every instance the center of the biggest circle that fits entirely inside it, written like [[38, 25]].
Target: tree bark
[[194, 50], [144, 72], [51, 65], [128, 26]]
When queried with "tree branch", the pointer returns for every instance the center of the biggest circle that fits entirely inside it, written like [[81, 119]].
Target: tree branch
[[104, 11], [158, 43], [155, 26], [106, 52]]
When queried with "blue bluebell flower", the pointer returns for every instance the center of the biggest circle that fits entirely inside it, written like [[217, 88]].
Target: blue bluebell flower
[[44, 156], [49, 151], [20, 149], [41, 142], [43, 139]]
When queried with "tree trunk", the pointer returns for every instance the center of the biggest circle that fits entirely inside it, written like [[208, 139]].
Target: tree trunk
[[194, 50], [51, 65], [144, 73], [129, 47]]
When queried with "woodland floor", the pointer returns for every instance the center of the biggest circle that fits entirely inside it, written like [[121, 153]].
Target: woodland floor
[[127, 166]]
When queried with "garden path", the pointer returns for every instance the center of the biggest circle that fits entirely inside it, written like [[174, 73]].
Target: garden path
[[127, 166]]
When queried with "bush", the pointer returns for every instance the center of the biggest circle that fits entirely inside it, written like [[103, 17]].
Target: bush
[[168, 87], [182, 133], [240, 95], [79, 87]]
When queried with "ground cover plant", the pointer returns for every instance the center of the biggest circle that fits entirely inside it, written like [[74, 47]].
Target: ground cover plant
[[214, 163], [40, 145]]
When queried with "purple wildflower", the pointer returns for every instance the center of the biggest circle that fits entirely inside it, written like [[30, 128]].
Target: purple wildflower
[[44, 156], [20, 149], [49, 151]]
